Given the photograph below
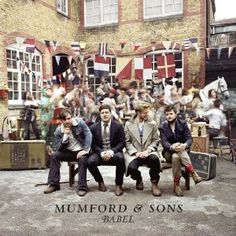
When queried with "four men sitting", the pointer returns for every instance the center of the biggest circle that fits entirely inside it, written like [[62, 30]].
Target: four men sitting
[[108, 141]]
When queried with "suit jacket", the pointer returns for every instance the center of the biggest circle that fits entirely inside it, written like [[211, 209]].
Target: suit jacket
[[136, 143], [182, 134], [117, 137]]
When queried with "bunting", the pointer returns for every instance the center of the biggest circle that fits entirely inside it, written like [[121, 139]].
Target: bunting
[[166, 66], [20, 41], [30, 45], [143, 68], [186, 44], [136, 46], [122, 44], [123, 68], [208, 52], [230, 50], [194, 42], [166, 44], [101, 66], [102, 50], [54, 45], [75, 48], [58, 59], [82, 45], [48, 45], [219, 52]]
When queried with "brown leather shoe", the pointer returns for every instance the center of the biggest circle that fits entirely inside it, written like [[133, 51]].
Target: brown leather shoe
[[139, 184], [196, 178], [102, 187], [81, 193], [119, 191], [51, 188], [155, 190], [178, 191]]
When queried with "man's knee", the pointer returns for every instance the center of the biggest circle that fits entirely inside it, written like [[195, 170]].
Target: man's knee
[[175, 158], [83, 160], [154, 160], [119, 157], [92, 160], [132, 166]]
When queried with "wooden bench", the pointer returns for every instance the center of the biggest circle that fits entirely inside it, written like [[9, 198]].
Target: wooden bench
[[74, 171]]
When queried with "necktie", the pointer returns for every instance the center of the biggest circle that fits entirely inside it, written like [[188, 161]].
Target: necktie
[[106, 141], [105, 133]]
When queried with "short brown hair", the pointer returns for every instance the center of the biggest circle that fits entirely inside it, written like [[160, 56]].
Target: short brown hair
[[64, 114], [104, 106], [170, 108]]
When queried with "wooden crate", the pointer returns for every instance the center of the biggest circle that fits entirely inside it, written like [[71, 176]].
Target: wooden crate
[[22, 154], [200, 144]]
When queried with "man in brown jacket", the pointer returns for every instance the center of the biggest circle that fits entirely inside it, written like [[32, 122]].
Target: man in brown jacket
[[141, 134]]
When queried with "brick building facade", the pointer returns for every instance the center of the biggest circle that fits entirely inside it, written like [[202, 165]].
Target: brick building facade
[[132, 24]]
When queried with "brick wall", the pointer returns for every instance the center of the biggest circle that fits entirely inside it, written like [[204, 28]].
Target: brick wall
[[40, 20], [133, 28]]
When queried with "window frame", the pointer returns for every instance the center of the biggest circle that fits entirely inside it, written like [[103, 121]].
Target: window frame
[[102, 22], [163, 13], [20, 84], [63, 4]]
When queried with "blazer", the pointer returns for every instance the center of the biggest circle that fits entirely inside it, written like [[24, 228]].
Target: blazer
[[136, 143], [117, 137], [182, 134]]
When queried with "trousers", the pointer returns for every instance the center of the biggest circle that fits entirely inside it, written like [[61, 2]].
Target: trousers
[[67, 155]]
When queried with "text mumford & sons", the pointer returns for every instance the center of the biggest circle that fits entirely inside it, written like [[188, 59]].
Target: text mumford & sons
[[118, 213]]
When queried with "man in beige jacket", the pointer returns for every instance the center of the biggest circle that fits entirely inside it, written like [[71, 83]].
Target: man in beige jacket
[[141, 135]]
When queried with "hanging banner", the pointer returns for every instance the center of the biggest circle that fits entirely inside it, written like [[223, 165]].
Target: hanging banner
[[166, 66]]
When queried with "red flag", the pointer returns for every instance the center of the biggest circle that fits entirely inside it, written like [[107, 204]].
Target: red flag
[[143, 68], [166, 66], [101, 66], [30, 45], [123, 68]]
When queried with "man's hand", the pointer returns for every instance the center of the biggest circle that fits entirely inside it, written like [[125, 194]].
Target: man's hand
[[142, 155], [178, 147], [67, 130], [80, 154], [106, 156]]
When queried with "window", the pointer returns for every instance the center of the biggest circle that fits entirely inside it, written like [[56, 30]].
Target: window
[[100, 12], [94, 82], [23, 71], [162, 8], [62, 7]]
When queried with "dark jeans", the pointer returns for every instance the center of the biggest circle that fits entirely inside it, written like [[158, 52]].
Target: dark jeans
[[117, 160], [54, 172], [151, 161], [213, 133], [34, 127]]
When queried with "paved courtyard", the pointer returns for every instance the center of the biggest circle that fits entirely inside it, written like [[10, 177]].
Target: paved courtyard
[[209, 208]]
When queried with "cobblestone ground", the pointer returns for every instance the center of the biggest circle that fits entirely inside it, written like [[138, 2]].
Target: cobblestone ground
[[207, 209]]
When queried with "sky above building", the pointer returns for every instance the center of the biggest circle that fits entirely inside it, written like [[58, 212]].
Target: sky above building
[[225, 9]]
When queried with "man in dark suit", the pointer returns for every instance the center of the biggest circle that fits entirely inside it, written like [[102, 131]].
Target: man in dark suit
[[107, 148], [176, 140]]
